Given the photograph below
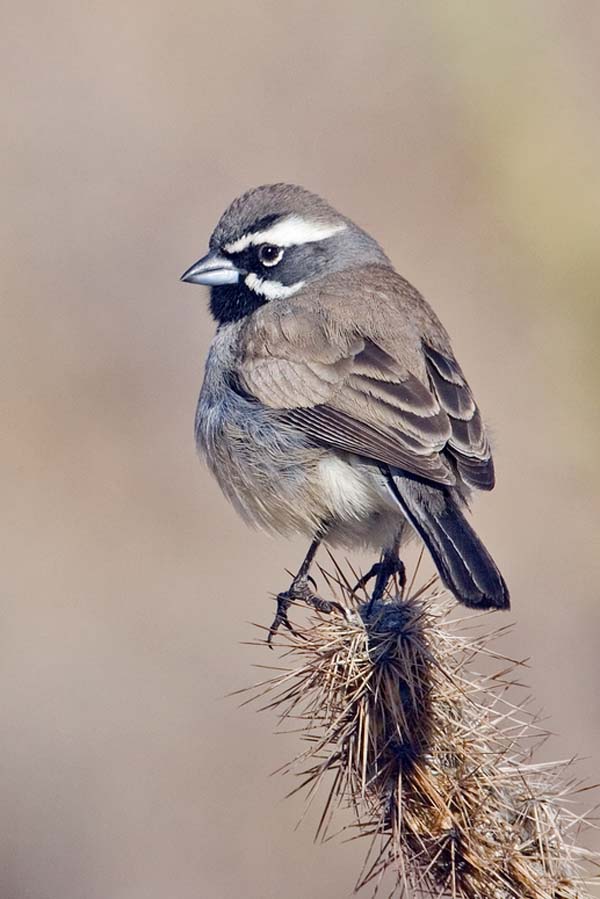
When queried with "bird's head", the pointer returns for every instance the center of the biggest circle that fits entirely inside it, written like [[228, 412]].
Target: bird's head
[[270, 243]]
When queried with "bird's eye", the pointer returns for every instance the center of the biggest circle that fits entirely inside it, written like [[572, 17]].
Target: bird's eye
[[269, 254]]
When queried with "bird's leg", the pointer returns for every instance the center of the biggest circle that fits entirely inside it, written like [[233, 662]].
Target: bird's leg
[[389, 565], [300, 591], [386, 568], [368, 576]]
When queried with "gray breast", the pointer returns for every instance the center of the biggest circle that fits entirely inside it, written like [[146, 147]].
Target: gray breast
[[262, 465]]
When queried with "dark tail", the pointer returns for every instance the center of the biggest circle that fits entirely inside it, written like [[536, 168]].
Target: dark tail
[[464, 564]]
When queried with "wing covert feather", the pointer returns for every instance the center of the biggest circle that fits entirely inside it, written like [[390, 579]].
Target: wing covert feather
[[345, 391]]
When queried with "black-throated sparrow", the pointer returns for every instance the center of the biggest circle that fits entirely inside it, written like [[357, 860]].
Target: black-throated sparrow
[[332, 403]]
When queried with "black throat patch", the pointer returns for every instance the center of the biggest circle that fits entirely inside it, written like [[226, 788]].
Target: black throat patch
[[233, 302]]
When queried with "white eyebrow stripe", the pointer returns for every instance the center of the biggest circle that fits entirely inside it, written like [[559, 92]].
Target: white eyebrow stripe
[[272, 290], [291, 231]]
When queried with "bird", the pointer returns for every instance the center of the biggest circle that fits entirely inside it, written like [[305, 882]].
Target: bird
[[332, 403]]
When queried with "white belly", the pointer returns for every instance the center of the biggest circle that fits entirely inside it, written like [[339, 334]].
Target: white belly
[[346, 492], [360, 509]]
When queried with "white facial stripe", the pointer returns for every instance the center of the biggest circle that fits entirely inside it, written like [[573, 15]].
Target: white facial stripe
[[272, 290], [289, 232]]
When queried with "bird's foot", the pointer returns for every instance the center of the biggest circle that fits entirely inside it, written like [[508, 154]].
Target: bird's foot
[[299, 591], [390, 566]]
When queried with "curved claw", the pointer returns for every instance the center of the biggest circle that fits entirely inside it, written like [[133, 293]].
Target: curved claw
[[389, 567], [364, 580], [299, 592], [284, 601]]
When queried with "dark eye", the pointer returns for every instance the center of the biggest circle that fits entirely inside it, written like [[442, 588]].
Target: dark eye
[[269, 254]]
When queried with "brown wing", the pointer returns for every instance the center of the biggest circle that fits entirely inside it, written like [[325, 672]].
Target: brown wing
[[468, 443], [344, 391], [379, 414]]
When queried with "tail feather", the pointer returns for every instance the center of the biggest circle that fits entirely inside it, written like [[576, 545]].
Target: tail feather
[[464, 564]]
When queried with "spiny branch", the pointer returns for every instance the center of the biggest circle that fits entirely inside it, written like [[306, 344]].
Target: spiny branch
[[433, 761]]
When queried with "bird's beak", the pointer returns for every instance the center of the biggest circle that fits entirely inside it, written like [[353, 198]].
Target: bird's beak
[[213, 269]]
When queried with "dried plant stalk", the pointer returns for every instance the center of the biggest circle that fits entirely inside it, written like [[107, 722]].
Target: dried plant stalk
[[433, 761]]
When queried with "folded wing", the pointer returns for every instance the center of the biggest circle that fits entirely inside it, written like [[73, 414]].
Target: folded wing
[[345, 391]]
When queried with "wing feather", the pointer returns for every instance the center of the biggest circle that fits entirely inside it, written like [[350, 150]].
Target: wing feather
[[344, 390], [468, 443]]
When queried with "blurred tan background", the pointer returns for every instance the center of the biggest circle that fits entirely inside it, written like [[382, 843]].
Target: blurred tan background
[[466, 137]]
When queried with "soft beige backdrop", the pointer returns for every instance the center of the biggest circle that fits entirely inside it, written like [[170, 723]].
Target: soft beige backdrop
[[466, 137]]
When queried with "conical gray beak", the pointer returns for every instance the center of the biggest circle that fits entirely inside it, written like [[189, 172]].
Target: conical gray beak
[[213, 269]]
